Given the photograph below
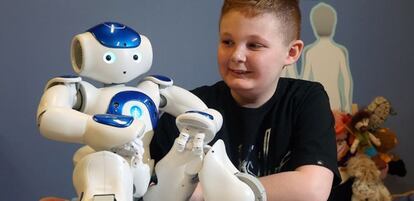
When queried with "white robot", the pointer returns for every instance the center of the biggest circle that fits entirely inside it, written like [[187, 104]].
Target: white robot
[[116, 124]]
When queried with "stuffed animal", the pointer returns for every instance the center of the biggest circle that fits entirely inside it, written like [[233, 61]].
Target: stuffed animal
[[367, 184], [380, 108], [342, 120], [364, 140], [389, 140]]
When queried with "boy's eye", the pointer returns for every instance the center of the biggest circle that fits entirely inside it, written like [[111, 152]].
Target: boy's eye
[[254, 45], [227, 42]]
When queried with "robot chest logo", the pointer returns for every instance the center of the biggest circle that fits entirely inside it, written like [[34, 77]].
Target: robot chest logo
[[135, 104], [135, 112]]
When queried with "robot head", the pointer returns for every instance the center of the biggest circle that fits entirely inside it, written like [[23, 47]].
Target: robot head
[[111, 53]]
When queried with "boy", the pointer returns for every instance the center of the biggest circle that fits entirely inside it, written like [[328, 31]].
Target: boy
[[276, 128]]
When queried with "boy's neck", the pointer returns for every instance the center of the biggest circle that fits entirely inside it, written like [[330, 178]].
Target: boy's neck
[[253, 98]]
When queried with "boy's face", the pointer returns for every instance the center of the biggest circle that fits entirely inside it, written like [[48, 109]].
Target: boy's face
[[251, 53]]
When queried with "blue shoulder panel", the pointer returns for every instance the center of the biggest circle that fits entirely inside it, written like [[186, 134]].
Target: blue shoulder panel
[[162, 78], [120, 99], [69, 76], [202, 113], [115, 35], [120, 121]]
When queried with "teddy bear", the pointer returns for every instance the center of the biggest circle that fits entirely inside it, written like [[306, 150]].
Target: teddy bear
[[367, 185], [388, 138]]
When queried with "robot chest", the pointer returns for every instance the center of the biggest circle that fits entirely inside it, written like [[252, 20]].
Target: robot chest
[[135, 104]]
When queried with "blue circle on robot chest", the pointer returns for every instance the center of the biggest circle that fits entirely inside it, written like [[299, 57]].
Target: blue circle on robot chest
[[124, 103], [135, 112]]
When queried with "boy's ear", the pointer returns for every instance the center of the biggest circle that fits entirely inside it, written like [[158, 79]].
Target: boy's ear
[[294, 52]]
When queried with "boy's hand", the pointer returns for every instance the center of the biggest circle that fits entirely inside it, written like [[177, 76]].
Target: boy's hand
[[197, 194]]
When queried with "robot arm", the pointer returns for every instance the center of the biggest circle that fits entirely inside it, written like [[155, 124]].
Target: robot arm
[[55, 116], [197, 124], [58, 119], [191, 112], [193, 116], [175, 100], [178, 100]]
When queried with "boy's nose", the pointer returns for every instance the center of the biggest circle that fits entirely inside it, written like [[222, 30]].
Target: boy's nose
[[238, 55]]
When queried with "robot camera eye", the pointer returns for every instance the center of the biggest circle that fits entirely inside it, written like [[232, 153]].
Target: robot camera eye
[[109, 57], [137, 57]]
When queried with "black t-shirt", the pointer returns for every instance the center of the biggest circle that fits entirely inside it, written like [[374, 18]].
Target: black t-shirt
[[293, 128]]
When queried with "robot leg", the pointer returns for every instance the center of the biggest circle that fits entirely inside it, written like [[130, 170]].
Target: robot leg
[[82, 152], [103, 175], [141, 177], [176, 173], [218, 171]]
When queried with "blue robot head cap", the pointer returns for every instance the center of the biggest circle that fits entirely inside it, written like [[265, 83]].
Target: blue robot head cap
[[115, 35]]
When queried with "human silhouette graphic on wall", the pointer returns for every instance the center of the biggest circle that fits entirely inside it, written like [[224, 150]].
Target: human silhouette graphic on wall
[[326, 61], [290, 71]]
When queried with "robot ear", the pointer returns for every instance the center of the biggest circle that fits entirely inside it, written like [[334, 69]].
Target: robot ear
[[77, 54], [82, 49]]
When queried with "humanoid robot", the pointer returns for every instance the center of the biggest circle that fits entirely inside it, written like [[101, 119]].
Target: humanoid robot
[[116, 124]]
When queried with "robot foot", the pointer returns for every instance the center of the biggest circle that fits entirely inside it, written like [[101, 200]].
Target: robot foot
[[254, 184], [218, 171]]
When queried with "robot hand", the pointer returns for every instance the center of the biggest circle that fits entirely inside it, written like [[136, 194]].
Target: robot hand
[[177, 171], [197, 128], [107, 131], [207, 122]]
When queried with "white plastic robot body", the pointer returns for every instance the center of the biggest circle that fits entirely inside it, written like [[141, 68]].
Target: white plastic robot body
[[117, 173], [58, 121], [116, 118], [191, 159], [213, 181], [177, 172], [116, 122], [110, 65], [177, 176]]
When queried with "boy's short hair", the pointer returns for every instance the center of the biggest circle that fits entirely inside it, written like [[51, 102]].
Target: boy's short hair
[[286, 11]]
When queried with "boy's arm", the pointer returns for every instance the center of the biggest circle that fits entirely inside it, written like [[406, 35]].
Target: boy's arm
[[308, 182]]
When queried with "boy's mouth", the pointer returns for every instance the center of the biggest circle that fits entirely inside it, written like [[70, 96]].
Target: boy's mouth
[[239, 72]]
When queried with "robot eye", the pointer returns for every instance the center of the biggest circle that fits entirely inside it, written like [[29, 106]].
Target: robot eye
[[109, 57], [137, 57]]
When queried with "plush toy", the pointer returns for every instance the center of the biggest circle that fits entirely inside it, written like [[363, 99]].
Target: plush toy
[[341, 130], [364, 140], [397, 167], [389, 140], [367, 184], [380, 108]]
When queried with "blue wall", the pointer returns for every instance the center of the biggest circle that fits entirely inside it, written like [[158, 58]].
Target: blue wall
[[35, 46]]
